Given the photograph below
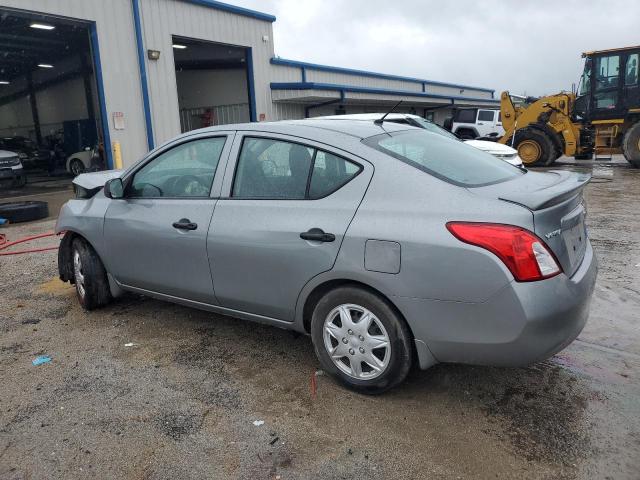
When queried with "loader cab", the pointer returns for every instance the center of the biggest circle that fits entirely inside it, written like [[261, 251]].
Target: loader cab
[[609, 85]]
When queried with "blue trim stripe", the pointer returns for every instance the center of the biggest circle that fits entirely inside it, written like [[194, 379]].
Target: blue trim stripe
[[106, 137], [143, 72], [251, 86], [225, 7], [377, 91], [364, 73]]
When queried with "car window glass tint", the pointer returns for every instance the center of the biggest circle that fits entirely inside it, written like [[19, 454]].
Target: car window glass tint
[[485, 116], [184, 171], [272, 169], [449, 160], [330, 172], [631, 77]]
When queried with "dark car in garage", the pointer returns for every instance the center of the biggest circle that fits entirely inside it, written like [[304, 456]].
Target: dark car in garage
[[28, 151]]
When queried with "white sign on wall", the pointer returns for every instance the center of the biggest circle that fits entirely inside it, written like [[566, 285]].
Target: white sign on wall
[[118, 120]]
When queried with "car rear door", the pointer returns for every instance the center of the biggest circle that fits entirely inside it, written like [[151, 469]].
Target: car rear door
[[156, 235], [285, 206]]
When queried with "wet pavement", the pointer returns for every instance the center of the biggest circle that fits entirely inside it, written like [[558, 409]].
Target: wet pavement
[[180, 402]]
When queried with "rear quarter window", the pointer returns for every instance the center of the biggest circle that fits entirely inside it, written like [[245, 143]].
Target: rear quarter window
[[449, 160]]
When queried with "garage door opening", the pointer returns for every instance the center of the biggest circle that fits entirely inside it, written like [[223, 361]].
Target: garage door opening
[[49, 106], [213, 83]]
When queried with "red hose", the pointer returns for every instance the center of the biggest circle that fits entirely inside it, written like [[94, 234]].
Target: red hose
[[4, 244]]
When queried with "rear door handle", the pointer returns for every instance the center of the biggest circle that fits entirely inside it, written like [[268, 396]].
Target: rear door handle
[[317, 235], [185, 224]]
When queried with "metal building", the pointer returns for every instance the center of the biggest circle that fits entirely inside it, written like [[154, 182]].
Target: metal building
[[154, 68]]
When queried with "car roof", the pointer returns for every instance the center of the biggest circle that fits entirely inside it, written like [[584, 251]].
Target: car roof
[[369, 116], [314, 127]]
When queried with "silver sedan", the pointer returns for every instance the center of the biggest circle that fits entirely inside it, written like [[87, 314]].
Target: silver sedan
[[388, 244]]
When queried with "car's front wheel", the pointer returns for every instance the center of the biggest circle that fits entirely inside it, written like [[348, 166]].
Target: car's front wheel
[[361, 340], [90, 276]]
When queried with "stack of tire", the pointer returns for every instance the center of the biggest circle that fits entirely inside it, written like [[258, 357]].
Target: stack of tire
[[16, 212]]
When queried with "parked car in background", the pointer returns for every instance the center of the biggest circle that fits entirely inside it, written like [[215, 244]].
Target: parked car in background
[[390, 245], [471, 123], [88, 159], [503, 152], [11, 170], [30, 154]]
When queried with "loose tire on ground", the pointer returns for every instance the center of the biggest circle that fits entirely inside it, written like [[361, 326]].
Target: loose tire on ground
[[90, 276], [17, 212], [397, 365], [534, 147], [631, 145]]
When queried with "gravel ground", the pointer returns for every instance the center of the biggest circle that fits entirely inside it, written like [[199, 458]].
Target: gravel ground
[[182, 400]]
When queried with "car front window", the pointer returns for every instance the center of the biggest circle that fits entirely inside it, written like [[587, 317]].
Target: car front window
[[451, 161], [186, 170]]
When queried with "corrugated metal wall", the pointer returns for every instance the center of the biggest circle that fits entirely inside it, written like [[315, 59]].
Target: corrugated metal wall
[[114, 22], [162, 19]]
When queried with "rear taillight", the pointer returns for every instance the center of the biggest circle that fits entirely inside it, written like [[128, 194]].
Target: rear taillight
[[525, 255]]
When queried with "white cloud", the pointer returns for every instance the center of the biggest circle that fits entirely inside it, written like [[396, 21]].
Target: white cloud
[[523, 46]]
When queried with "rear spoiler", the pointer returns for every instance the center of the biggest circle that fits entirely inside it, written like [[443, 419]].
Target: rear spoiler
[[569, 185]]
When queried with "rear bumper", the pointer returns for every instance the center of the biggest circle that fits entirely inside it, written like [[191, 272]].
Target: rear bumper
[[520, 325]]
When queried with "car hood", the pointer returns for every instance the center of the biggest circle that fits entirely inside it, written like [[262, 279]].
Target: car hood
[[96, 179], [7, 154], [492, 147]]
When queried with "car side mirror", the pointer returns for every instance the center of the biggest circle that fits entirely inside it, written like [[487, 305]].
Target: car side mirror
[[114, 188]]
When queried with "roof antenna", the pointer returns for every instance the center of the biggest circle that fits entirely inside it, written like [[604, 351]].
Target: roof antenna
[[380, 120]]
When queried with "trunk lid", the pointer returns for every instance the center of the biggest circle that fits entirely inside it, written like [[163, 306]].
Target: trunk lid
[[557, 205]]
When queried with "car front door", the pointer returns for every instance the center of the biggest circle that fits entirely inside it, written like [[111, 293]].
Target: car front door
[[156, 235], [284, 210], [486, 122]]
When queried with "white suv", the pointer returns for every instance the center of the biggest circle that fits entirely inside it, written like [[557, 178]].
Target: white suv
[[470, 123], [503, 152]]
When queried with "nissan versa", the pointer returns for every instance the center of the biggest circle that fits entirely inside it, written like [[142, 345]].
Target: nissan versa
[[390, 245]]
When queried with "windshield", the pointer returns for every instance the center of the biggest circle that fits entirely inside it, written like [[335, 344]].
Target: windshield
[[452, 161], [432, 127]]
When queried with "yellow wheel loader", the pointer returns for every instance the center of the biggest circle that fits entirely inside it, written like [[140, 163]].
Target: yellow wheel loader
[[604, 117]]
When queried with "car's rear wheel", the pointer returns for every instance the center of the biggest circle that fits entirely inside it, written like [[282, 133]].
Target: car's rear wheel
[[90, 276], [361, 340]]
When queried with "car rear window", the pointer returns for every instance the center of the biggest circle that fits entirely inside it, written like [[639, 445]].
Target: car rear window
[[449, 160]]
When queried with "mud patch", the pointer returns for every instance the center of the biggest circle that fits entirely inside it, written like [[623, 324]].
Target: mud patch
[[544, 407]]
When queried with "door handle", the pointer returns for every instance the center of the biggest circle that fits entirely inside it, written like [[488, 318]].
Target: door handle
[[185, 224], [317, 235]]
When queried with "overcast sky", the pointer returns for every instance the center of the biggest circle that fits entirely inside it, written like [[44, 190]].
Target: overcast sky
[[523, 46]]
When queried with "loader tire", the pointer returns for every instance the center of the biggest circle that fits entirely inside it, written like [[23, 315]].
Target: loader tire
[[631, 145], [535, 148]]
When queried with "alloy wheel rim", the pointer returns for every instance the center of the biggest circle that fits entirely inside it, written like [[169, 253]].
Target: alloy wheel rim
[[77, 271], [76, 168], [356, 341], [529, 151]]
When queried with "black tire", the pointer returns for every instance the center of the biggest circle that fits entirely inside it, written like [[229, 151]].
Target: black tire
[[400, 339], [17, 212], [76, 166], [631, 145], [93, 290], [535, 148], [466, 134], [20, 181]]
